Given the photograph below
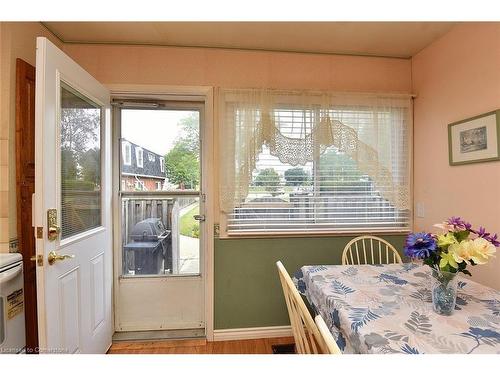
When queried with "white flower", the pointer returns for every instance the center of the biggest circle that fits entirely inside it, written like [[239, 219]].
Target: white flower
[[482, 250], [478, 250], [461, 252]]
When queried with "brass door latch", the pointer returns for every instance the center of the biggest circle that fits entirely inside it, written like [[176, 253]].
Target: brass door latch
[[38, 259], [53, 228]]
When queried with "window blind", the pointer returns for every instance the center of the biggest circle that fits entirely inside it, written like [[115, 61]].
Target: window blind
[[329, 193]]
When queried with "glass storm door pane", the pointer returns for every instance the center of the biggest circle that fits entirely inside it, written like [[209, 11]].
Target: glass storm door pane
[[160, 192], [80, 163]]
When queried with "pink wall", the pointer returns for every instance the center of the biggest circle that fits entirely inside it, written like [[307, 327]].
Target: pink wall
[[457, 77], [242, 69]]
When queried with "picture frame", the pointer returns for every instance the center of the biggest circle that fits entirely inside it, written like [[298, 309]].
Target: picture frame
[[475, 139]]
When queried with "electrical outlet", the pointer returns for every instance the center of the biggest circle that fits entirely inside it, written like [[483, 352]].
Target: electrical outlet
[[420, 209]]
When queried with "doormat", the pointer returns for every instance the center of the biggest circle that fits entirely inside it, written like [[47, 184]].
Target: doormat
[[284, 349]]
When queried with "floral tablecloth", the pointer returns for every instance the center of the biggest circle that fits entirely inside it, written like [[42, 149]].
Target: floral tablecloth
[[387, 309]]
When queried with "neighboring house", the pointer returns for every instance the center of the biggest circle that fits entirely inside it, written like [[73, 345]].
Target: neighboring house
[[142, 169]]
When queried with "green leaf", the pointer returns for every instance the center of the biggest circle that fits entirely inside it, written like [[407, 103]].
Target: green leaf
[[461, 235], [466, 272]]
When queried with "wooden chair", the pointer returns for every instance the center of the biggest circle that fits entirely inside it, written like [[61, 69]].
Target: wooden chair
[[369, 250], [327, 336], [308, 338]]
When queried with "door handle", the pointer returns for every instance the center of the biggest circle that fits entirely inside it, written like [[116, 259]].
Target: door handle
[[199, 217], [54, 257]]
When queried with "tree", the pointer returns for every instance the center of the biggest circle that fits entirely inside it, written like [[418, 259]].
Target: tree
[[340, 172], [190, 133], [182, 167], [91, 166], [80, 147], [296, 176], [80, 129], [269, 179], [182, 162]]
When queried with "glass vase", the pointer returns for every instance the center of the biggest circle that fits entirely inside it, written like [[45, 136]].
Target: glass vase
[[444, 291]]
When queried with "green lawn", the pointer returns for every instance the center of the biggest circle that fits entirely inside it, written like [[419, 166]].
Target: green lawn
[[188, 223]]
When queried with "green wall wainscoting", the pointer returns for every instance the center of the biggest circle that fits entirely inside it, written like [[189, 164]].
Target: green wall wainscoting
[[247, 288]]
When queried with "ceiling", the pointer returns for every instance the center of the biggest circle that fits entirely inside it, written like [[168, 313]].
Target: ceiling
[[391, 39]]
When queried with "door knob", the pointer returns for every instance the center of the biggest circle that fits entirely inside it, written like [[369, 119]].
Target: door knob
[[53, 257]]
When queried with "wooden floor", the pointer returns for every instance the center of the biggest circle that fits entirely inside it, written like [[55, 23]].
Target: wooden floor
[[198, 346]]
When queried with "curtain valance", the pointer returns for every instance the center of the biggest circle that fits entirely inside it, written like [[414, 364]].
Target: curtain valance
[[298, 126]]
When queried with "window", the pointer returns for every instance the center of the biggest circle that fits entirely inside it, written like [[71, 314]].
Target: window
[[158, 186], [139, 185], [297, 182], [138, 157], [80, 153], [151, 157], [162, 165], [124, 186], [127, 153]]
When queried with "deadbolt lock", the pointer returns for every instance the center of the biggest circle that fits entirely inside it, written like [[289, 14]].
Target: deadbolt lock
[[53, 229]]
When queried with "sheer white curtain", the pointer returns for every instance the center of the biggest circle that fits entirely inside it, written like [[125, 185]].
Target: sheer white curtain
[[373, 129]]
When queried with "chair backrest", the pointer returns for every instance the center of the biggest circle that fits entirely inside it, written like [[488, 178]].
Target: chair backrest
[[308, 339], [330, 343], [369, 250]]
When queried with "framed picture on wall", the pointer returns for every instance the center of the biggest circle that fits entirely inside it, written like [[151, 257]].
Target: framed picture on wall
[[475, 140]]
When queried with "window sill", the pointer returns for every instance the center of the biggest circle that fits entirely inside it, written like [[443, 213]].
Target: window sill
[[311, 234]]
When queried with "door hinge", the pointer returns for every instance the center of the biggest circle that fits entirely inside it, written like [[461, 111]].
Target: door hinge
[[203, 197], [39, 233]]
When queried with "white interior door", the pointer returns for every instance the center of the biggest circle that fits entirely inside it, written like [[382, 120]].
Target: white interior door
[[72, 206]]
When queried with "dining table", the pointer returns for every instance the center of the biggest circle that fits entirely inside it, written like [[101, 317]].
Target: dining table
[[387, 308]]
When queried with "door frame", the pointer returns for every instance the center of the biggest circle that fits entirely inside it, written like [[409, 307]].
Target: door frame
[[25, 138], [203, 94]]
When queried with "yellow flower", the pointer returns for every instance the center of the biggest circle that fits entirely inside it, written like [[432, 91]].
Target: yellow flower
[[482, 250], [447, 258], [461, 251], [447, 239]]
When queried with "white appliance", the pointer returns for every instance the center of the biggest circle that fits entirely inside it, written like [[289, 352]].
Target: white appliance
[[12, 328]]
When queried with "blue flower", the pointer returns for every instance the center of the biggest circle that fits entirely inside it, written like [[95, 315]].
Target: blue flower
[[420, 245]]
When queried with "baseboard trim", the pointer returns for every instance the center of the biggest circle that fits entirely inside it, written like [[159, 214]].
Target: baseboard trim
[[252, 333]]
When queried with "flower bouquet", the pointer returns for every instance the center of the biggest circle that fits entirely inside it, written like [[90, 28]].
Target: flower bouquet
[[448, 254]]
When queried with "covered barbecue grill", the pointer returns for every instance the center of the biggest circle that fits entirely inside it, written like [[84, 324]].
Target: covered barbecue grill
[[150, 250]]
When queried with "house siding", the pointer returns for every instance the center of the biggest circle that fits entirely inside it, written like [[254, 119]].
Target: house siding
[[150, 168]]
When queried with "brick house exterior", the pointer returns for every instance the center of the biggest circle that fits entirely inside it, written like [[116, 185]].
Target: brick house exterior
[[142, 169]]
